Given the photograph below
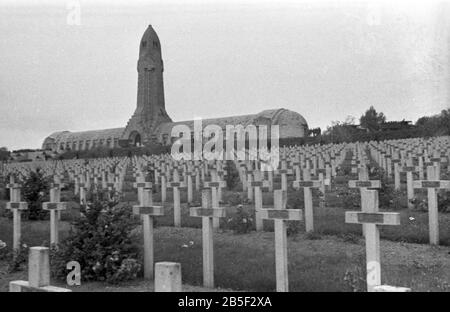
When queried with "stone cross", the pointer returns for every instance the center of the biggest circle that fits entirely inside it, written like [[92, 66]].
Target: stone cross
[[82, 187], [76, 185], [270, 179], [16, 208], [215, 185], [141, 185], [54, 207], [249, 180], [306, 185], [280, 215], [397, 169], [147, 212], [242, 173], [371, 184], [176, 185], [420, 166], [55, 192], [221, 174], [409, 169], [38, 274], [371, 219], [190, 191], [207, 212], [104, 182], [284, 172], [14, 190], [197, 178], [436, 160], [163, 188], [258, 184], [432, 185]]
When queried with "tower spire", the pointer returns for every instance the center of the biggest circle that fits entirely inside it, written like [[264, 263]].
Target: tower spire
[[150, 110]]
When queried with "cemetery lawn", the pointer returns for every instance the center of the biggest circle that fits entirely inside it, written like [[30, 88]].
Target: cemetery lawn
[[246, 262]]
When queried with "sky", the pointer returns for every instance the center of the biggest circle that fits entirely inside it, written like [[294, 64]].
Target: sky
[[323, 59]]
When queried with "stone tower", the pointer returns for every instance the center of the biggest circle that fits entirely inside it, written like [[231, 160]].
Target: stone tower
[[150, 111]]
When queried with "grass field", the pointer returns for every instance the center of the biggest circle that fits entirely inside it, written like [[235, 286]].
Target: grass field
[[325, 263], [331, 259]]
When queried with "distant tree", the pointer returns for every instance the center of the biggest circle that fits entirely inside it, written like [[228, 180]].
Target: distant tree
[[435, 125], [314, 132], [4, 154], [340, 131], [372, 120]]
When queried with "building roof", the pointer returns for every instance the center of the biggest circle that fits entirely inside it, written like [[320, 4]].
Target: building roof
[[67, 136], [277, 116], [291, 125]]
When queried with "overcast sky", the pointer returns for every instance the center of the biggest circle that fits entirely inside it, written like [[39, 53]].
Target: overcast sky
[[325, 60]]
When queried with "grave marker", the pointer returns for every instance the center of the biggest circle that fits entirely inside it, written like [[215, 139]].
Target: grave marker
[[147, 212], [280, 215], [207, 212], [167, 277], [433, 216], [54, 207], [371, 219], [38, 274], [16, 208]]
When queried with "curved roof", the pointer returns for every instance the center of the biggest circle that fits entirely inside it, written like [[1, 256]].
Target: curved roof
[[291, 124], [278, 116], [67, 136]]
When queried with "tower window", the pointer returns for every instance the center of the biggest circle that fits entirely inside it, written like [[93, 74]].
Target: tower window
[[144, 43], [155, 44]]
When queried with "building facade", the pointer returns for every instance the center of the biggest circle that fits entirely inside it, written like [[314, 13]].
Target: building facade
[[150, 122]]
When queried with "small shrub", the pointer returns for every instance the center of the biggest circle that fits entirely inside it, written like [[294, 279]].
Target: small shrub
[[391, 199], [313, 236], [296, 200], [293, 228], [3, 194], [419, 204], [234, 199], [121, 270], [350, 238], [350, 198], [35, 191], [232, 178], [103, 242], [444, 201], [16, 259], [241, 223]]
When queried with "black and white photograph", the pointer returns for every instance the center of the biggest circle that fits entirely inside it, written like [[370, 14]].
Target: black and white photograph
[[224, 150]]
